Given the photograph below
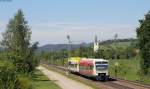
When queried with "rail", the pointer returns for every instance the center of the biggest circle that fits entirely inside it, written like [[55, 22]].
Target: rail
[[113, 83]]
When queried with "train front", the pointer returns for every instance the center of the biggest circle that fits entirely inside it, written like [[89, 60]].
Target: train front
[[101, 69]]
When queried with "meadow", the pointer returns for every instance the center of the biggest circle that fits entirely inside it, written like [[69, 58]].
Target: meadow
[[128, 69]]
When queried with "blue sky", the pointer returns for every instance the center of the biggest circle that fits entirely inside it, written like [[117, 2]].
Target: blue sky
[[52, 20]]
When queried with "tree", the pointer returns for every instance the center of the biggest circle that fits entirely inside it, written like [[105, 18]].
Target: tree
[[16, 41], [143, 35]]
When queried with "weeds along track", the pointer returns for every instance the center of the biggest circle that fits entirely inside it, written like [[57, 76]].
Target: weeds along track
[[112, 83]]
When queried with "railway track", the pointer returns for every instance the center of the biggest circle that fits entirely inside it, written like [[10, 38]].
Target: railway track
[[112, 83]]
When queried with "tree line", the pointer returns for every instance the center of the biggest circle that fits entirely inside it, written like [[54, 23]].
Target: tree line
[[106, 51]]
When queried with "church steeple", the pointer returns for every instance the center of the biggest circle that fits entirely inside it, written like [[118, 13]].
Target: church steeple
[[96, 44], [95, 38]]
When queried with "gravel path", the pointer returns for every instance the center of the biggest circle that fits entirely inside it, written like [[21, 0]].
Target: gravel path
[[63, 81]]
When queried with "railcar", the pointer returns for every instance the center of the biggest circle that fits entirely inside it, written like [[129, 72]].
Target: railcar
[[73, 64], [95, 68]]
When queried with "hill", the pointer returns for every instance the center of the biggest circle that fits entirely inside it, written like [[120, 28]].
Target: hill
[[58, 47]]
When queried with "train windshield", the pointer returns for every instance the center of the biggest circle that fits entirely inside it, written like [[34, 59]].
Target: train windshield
[[101, 65]]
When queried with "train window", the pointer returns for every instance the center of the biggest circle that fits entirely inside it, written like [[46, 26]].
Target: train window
[[84, 67], [81, 67], [101, 65], [69, 63], [87, 67], [75, 65], [103, 62], [72, 65], [91, 67]]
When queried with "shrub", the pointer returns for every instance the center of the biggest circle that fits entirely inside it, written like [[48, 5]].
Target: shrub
[[25, 82], [8, 77]]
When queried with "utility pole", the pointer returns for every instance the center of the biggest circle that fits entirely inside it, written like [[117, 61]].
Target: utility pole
[[115, 43], [115, 38], [69, 46], [69, 49]]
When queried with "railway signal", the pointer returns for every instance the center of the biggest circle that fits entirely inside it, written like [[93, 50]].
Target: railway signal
[[69, 48]]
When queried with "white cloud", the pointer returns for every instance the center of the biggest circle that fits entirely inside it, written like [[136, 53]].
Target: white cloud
[[56, 32]]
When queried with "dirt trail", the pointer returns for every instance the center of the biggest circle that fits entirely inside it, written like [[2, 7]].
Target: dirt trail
[[63, 81]]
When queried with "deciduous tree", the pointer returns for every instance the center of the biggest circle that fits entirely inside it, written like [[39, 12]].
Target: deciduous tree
[[143, 34]]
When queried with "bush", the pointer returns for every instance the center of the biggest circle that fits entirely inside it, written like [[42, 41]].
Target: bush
[[10, 79], [24, 82]]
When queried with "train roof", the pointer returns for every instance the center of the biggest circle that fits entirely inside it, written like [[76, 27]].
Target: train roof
[[91, 59], [77, 59], [74, 59]]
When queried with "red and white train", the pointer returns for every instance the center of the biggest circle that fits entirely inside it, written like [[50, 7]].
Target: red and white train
[[94, 68]]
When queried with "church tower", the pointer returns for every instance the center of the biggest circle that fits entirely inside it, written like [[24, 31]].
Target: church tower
[[96, 45]]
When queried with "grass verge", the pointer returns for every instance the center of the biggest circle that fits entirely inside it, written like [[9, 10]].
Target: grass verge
[[42, 82]]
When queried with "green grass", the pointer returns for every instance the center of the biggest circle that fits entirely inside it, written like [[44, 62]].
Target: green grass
[[117, 44], [42, 82], [128, 69], [121, 44]]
